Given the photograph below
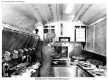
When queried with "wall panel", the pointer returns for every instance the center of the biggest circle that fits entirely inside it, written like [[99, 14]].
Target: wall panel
[[100, 38], [90, 31], [96, 38]]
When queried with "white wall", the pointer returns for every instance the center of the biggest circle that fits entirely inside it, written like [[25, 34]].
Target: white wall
[[57, 29], [68, 29], [40, 33]]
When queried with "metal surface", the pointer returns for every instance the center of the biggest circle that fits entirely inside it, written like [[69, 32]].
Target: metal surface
[[65, 71]]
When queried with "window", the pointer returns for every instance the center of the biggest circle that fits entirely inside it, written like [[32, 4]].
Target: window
[[80, 34], [52, 26], [49, 29], [45, 30], [52, 30], [45, 26]]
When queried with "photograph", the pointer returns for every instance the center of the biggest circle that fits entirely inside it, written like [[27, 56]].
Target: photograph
[[62, 40]]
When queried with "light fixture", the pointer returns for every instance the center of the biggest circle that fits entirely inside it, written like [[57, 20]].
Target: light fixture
[[69, 8], [79, 21], [38, 24]]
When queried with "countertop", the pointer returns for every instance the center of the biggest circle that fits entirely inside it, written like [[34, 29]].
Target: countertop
[[91, 71], [87, 69]]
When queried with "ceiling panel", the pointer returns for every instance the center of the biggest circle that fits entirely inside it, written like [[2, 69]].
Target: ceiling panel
[[73, 14], [51, 12], [42, 10], [77, 8], [81, 12], [22, 14], [95, 12], [18, 15]]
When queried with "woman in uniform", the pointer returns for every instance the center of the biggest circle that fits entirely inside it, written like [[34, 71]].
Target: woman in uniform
[[48, 52]]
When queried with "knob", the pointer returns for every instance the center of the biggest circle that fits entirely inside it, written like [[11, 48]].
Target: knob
[[21, 51], [6, 69], [15, 54], [30, 50], [7, 56], [33, 48], [25, 50]]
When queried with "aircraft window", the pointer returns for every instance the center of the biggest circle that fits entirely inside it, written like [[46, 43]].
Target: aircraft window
[[45, 26], [49, 30], [52, 30], [52, 26], [83, 26], [77, 26], [45, 30]]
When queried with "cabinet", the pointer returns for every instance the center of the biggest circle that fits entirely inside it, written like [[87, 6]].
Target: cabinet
[[80, 33], [65, 71], [81, 73]]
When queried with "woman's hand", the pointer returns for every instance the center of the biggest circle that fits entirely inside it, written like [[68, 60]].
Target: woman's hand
[[63, 51]]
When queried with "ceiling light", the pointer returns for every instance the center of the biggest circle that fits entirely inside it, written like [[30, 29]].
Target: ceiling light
[[69, 8], [38, 24]]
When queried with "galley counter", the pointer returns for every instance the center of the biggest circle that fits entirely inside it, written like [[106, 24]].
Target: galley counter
[[76, 69]]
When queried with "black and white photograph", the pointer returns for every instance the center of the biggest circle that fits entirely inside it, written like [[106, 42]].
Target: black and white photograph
[[64, 40]]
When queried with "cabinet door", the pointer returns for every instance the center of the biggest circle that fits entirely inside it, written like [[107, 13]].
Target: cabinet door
[[84, 75], [65, 71], [81, 73]]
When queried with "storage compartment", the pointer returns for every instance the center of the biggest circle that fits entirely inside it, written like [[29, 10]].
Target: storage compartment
[[65, 71], [81, 73]]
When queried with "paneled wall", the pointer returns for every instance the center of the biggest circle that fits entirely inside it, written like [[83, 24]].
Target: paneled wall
[[13, 39], [100, 38], [90, 36], [96, 38], [67, 29]]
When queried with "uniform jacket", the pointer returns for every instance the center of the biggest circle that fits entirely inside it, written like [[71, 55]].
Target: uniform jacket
[[47, 53]]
